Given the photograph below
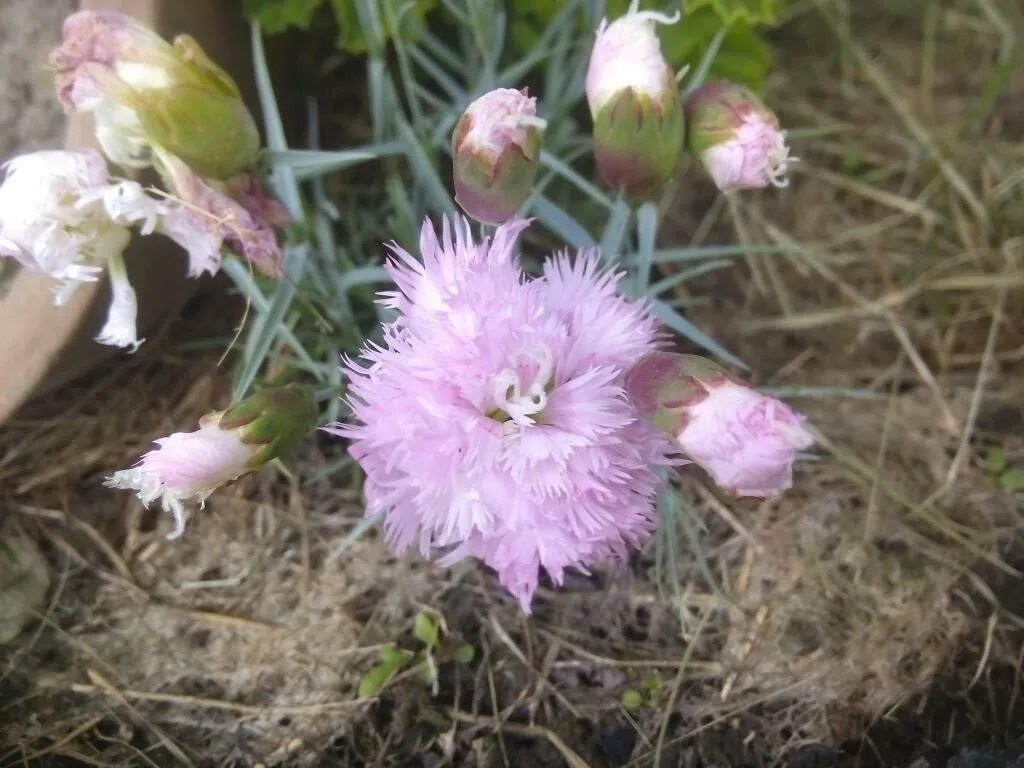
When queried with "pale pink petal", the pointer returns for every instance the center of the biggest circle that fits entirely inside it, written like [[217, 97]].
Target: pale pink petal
[[491, 419], [745, 440]]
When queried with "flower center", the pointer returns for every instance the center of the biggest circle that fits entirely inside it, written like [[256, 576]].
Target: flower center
[[521, 390]]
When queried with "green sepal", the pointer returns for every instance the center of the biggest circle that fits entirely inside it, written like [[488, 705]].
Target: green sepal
[[663, 386], [275, 419], [715, 110], [491, 191], [638, 141], [201, 118]]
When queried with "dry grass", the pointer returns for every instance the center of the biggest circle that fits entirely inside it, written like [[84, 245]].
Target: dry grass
[[875, 605]]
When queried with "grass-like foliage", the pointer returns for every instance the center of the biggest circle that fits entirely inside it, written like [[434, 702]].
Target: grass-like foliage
[[419, 80]]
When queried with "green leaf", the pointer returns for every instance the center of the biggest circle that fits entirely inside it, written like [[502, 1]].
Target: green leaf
[[742, 56], [464, 654], [688, 330], [995, 461], [427, 673], [352, 34], [1012, 480], [632, 700], [392, 654], [426, 630], [278, 15], [729, 12], [652, 685], [312, 164], [375, 679]]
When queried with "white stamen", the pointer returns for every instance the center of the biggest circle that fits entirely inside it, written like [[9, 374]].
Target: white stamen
[[509, 394], [653, 16]]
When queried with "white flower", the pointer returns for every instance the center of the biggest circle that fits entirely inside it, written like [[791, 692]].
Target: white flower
[[50, 218], [60, 214], [120, 330]]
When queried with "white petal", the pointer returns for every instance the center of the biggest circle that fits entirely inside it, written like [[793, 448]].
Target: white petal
[[119, 330]]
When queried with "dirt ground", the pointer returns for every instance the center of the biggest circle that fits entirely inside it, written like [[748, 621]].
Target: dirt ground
[[872, 616]]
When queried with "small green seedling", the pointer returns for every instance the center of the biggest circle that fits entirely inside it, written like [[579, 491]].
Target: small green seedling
[[430, 630]]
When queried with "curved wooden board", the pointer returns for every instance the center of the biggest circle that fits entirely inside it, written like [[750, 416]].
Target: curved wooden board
[[43, 346]]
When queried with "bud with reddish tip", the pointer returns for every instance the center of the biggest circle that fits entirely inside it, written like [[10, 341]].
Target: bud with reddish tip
[[145, 92], [634, 102], [496, 147], [227, 445], [745, 440], [736, 137]]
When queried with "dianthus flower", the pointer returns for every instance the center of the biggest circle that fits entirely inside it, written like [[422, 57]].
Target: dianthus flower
[[60, 214], [491, 420]]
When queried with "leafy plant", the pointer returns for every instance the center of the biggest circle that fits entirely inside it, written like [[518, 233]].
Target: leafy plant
[[355, 18], [996, 465], [431, 633]]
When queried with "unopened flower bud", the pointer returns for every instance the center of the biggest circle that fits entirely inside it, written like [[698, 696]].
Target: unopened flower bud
[[745, 440], [634, 102], [496, 146], [227, 445], [736, 137], [145, 92]]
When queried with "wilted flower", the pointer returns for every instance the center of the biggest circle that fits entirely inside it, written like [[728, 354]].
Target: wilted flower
[[145, 92], [206, 217], [736, 137], [492, 422], [496, 146], [60, 214], [631, 90], [745, 440], [228, 444]]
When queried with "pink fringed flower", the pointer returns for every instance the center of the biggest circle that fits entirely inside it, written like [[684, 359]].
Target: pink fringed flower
[[207, 218], [492, 422], [228, 444], [736, 137], [745, 440]]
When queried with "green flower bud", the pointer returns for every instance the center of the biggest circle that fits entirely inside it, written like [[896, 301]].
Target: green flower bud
[[144, 91], [496, 147], [638, 118], [227, 445]]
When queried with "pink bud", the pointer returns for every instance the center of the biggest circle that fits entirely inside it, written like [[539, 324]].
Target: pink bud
[[745, 440], [627, 55], [496, 146], [736, 137], [187, 465], [227, 445]]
